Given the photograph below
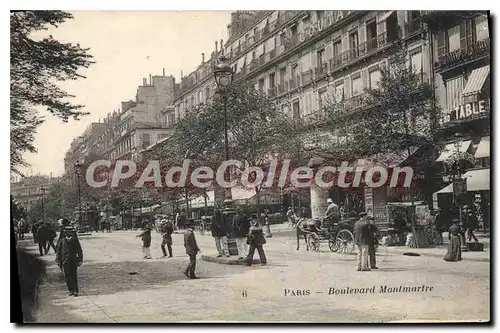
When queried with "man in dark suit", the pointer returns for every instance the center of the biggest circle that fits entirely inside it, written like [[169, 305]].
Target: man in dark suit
[[372, 240], [360, 239], [191, 250]]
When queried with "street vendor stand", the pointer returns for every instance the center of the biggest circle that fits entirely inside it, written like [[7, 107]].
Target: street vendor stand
[[418, 219]]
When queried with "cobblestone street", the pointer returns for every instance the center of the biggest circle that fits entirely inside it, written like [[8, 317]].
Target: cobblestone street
[[116, 285]]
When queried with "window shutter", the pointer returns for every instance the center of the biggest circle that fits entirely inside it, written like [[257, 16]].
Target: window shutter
[[347, 87], [463, 35], [441, 41], [328, 52], [364, 80], [362, 33], [381, 27], [345, 42]]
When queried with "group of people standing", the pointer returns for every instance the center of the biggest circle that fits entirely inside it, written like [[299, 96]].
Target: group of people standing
[[366, 238], [68, 250]]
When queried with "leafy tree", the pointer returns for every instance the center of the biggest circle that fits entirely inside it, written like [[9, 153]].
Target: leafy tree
[[36, 65], [257, 131]]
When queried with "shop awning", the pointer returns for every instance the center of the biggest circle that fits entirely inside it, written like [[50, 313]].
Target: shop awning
[[478, 180], [476, 81], [199, 202], [447, 189], [483, 150], [385, 16], [450, 149]]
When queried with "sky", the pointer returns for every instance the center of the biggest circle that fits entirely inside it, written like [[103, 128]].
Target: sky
[[127, 46]]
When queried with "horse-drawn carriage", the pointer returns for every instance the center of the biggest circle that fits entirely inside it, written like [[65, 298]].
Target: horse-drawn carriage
[[339, 236]]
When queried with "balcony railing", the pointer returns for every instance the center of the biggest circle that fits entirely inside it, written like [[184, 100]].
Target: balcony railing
[[413, 26], [336, 61], [371, 44], [321, 71], [307, 77], [272, 54], [470, 52]]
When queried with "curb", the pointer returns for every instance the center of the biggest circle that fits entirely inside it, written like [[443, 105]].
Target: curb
[[436, 255], [227, 261]]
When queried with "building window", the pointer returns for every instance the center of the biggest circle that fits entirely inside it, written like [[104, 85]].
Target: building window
[[282, 75], [416, 61], [353, 43], [272, 80], [207, 94], [357, 85], [320, 14], [454, 38], [371, 34], [294, 71], [321, 57], [481, 25], [146, 140], [339, 92], [454, 88], [296, 109], [375, 79], [261, 85]]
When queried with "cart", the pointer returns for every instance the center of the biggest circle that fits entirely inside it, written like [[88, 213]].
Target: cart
[[339, 236]]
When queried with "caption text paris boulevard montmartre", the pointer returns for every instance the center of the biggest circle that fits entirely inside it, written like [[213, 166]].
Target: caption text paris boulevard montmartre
[[365, 290]]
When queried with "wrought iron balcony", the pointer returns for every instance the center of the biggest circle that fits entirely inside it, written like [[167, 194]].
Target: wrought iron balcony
[[413, 27], [470, 52], [307, 77], [336, 61], [371, 44], [321, 71]]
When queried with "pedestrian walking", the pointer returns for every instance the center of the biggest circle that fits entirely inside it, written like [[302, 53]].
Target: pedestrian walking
[[70, 256], [360, 239], [22, 227], [291, 217], [182, 220], [372, 241], [192, 250], [219, 233], [166, 229], [34, 230], [51, 235], [454, 252], [41, 238], [471, 225], [146, 242], [256, 240], [241, 227]]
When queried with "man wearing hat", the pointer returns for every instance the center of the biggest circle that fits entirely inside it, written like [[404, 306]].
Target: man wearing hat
[[360, 239], [192, 249], [166, 229], [332, 214], [372, 241], [70, 256], [146, 242]]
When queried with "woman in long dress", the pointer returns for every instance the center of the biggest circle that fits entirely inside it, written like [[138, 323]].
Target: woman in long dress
[[454, 246]]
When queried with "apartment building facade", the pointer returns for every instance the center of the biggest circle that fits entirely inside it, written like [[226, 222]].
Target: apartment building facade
[[83, 147], [304, 59], [26, 191], [461, 53]]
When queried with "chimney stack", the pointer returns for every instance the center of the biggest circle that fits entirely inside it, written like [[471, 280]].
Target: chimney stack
[[216, 49], [144, 81], [163, 71], [150, 80], [182, 75], [221, 46], [203, 58]]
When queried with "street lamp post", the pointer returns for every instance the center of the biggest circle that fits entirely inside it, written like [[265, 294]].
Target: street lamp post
[[41, 191], [458, 190], [78, 167], [223, 74]]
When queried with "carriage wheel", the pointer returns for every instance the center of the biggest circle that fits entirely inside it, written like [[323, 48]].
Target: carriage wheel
[[333, 245], [345, 241], [314, 243]]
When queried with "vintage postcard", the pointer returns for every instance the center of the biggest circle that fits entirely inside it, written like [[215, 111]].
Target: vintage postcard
[[251, 166]]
